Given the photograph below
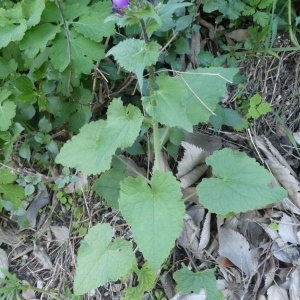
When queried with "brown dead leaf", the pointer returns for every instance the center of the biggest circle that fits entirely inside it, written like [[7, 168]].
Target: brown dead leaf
[[205, 233], [42, 257], [294, 290], [288, 229], [61, 234], [200, 296], [239, 35], [281, 169], [296, 136], [8, 237], [275, 292], [236, 248], [168, 285], [80, 185], [279, 249], [272, 153], [133, 169], [39, 201], [188, 237], [225, 263], [192, 165], [190, 194], [206, 142], [3, 262]]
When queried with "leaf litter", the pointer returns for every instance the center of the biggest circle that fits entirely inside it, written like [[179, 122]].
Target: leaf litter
[[254, 259]]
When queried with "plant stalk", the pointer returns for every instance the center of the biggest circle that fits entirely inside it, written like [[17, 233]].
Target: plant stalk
[[292, 36], [156, 140]]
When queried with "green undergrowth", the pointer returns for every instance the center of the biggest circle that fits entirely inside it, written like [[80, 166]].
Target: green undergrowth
[[81, 85]]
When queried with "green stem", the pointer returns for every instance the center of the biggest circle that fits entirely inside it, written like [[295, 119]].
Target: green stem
[[292, 36], [156, 141], [49, 293]]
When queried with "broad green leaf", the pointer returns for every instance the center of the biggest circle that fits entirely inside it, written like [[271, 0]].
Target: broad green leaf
[[7, 112], [188, 281], [211, 5], [182, 46], [146, 279], [108, 186], [166, 104], [225, 116], [176, 136], [51, 13], [23, 84], [6, 176], [91, 150], [100, 260], [82, 113], [79, 118], [253, 113], [264, 108], [44, 125], [154, 213], [36, 38], [209, 84], [12, 193], [255, 100], [73, 9], [59, 54], [24, 151], [29, 189], [32, 11], [91, 24], [7, 67], [135, 55], [183, 22], [52, 147], [11, 33], [166, 15], [83, 52], [240, 184]]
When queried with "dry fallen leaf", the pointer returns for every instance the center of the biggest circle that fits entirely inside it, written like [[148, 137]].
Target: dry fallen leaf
[[294, 290], [3, 262], [206, 142], [205, 233], [61, 234], [188, 236], [39, 201], [200, 296], [235, 247], [239, 35], [42, 257], [192, 165], [288, 229], [275, 292], [296, 136], [80, 185], [8, 237]]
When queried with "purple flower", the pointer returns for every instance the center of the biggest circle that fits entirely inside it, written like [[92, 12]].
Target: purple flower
[[120, 3]]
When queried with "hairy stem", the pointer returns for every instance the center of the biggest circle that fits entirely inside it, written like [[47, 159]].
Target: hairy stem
[[156, 141]]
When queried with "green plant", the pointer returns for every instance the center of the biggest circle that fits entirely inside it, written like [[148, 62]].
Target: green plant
[[12, 287], [253, 108], [48, 50], [147, 204]]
